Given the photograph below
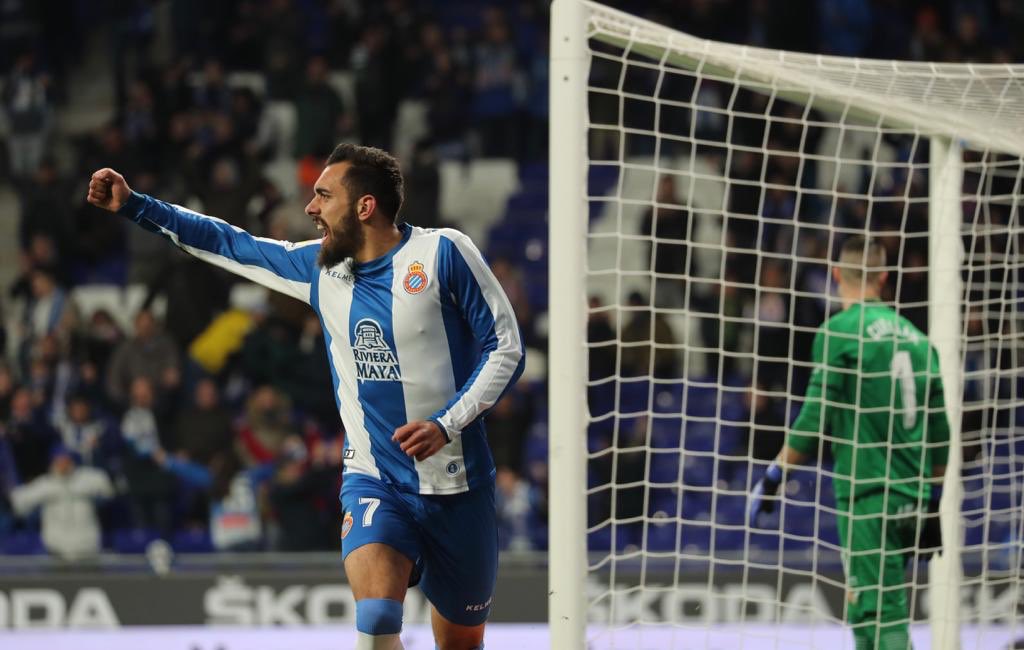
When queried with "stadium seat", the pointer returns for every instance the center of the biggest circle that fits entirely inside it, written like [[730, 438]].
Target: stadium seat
[[22, 542], [192, 541], [132, 540], [729, 539]]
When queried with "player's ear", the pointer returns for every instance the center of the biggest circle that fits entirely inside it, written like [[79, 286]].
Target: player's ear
[[366, 206], [835, 275]]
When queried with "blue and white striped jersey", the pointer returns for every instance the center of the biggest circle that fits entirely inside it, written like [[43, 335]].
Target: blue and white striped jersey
[[424, 332]]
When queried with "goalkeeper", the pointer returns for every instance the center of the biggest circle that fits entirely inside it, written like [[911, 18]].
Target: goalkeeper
[[876, 391]]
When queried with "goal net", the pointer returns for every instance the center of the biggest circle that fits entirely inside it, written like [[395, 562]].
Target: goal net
[[700, 193]]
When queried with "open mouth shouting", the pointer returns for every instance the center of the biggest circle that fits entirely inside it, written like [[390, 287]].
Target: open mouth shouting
[[321, 227]]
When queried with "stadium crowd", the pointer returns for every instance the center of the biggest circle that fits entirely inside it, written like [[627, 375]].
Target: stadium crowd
[[208, 418]]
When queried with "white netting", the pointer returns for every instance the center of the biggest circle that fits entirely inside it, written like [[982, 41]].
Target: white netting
[[721, 181]]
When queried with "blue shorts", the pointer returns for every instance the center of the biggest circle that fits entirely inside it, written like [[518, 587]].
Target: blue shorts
[[454, 537]]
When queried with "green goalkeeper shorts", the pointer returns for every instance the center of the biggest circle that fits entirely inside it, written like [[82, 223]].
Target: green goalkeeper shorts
[[876, 538]]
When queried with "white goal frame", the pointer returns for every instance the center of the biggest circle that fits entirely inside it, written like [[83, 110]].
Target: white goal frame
[[568, 212]]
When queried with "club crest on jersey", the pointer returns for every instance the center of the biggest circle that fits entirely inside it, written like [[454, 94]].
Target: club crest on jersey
[[346, 524], [375, 360], [416, 279]]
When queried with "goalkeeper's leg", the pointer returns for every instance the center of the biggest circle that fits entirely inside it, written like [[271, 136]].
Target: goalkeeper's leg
[[877, 597]]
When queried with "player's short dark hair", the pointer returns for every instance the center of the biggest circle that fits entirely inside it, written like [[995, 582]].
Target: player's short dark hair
[[861, 258], [373, 171]]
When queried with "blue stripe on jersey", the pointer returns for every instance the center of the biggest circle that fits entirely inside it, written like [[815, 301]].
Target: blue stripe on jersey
[[377, 371], [471, 338], [221, 238]]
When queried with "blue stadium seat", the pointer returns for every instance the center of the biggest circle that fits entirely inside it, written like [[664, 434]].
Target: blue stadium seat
[[730, 508], [662, 537], [22, 542], [698, 471], [664, 467], [192, 541], [729, 539], [696, 537], [132, 540], [699, 435]]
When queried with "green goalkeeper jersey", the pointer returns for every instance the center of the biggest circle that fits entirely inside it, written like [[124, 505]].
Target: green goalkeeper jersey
[[876, 395]]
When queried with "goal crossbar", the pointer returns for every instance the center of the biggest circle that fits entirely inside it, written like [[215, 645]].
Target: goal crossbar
[[928, 97]]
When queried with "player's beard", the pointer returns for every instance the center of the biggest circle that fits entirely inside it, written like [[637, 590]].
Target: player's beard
[[341, 242]]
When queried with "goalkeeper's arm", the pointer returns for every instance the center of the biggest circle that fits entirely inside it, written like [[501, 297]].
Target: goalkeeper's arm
[[762, 496]]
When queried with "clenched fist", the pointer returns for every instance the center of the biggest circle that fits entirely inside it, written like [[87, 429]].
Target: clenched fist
[[108, 190]]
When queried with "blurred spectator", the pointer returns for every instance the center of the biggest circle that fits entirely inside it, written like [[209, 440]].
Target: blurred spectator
[[44, 312], [28, 109], [374, 64], [667, 224], [770, 313], [422, 205], [212, 93], [29, 437], [85, 433], [647, 342], [195, 292], [767, 423], [302, 522], [46, 212], [236, 523], [67, 495], [148, 354], [139, 426], [267, 423], [151, 488], [254, 128], [495, 102], [140, 119], [7, 388], [309, 382], [226, 190], [101, 337], [508, 425], [601, 347], [203, 429], [322, 118], [513, 498], [844, 26]]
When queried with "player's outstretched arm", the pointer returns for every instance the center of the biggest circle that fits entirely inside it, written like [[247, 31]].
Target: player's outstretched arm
[[282, 266], [108, 190]]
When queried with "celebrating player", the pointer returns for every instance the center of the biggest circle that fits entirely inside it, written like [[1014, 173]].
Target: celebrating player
[[421, 342], [876, 391]]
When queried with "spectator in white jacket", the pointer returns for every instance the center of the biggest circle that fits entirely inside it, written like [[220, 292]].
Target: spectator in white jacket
[[67, 496]]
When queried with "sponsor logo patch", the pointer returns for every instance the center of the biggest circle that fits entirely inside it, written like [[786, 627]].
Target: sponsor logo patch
[[416, 279], [452, 468], [346, 524], [375, 360], [349, 454]]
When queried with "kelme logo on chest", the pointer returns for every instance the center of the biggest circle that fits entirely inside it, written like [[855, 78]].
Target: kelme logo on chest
[[375, 360]]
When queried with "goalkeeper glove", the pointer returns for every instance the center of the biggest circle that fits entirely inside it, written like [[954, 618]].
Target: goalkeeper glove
[[929, 539], [768, 486]]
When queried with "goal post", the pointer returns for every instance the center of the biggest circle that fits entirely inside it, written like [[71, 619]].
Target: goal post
[[567, 376], [944, 309], [698, 192]]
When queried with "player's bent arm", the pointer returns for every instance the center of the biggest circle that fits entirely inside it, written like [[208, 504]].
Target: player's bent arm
[[282, 266], [487, 310], [789, 456]]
